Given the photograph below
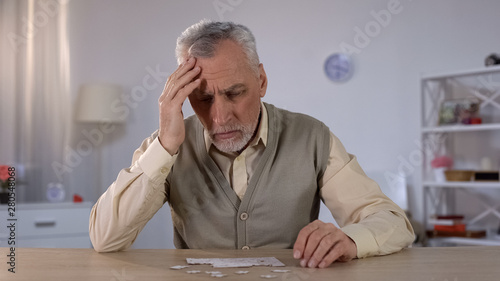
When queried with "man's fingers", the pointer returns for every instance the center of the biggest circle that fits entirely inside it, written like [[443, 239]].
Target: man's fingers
[[183, 81], [314, 241], [322, 249], [181, 96], [183, 93], [336, 253], [184, 74], [172, 88], [334, 247], [300, 243], [183, 68], [319, 244]]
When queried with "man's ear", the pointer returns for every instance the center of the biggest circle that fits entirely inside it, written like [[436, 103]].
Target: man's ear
[[262, 80]]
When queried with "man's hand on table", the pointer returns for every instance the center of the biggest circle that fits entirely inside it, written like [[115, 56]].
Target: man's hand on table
[[319, 244]]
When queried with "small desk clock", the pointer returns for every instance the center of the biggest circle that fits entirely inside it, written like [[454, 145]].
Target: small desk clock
[[338, 67]]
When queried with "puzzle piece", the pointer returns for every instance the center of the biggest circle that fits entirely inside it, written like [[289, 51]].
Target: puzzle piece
[[280, 270], [177, 267], [237, 262]]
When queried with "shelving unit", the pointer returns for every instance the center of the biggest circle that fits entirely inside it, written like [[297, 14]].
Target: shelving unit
[[466, 144], [461, 128], [49, 225]]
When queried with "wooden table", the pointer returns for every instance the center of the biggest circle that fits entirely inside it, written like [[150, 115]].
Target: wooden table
[[429, 264]]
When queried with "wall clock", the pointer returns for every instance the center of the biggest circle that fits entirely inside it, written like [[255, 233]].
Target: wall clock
[[338, 67]]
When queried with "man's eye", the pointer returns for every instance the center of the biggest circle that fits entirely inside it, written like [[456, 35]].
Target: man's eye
[[233, 94], [206, 99]]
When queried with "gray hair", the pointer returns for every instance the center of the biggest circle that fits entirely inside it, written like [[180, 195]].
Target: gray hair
[[201, 39]]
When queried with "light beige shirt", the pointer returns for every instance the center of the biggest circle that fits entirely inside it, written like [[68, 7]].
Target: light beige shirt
[[139, 191]]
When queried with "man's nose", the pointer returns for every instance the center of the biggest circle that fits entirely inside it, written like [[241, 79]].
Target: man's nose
[[221, 111]]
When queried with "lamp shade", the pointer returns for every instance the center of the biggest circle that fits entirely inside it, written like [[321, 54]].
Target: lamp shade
[[97, 103]]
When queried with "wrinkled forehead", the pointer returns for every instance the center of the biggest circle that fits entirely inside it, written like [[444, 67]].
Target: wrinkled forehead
[[220, 77]]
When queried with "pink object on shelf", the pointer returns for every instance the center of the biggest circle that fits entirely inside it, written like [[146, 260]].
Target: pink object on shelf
[[442, 161]]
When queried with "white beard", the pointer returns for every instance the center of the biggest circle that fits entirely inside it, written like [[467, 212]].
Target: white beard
[[234, 144]]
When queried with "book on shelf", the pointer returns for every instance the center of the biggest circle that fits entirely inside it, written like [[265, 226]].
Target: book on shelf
[[449, 217], [449, 225], [466, 234], [448, 220], [450, 228]]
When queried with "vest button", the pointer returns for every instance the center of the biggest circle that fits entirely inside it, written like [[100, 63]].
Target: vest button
[[244, 216], [163, 170], [245, 248]]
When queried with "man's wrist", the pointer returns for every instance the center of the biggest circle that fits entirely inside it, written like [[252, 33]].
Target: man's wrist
[[366, 245], [169, 150], [156, 161]]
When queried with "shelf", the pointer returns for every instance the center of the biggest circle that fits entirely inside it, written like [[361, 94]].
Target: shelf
[[494, 241], [457, 74], [463, 184], [50, 206], [466, 142], [461, 128]]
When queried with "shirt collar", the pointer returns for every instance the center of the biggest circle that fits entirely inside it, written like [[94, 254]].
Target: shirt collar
[[261, 135]]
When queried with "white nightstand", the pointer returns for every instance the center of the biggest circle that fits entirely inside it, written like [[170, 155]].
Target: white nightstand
[[48, 225]]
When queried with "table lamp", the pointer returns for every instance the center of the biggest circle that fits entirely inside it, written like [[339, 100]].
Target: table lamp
[[95, 104]]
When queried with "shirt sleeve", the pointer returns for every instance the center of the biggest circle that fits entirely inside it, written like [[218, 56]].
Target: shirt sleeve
[[376, 224], [131, 201]]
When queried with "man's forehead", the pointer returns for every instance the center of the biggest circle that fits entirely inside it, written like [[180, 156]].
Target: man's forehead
[[212, 70], [207, 90]]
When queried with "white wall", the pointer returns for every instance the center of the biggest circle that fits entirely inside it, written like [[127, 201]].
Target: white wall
[[376, 114]]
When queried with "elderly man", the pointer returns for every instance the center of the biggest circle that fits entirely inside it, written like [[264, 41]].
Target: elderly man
[[242, 173]]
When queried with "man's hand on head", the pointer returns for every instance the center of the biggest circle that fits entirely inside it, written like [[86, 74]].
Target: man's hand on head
[[178, 87], [320, 244]]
